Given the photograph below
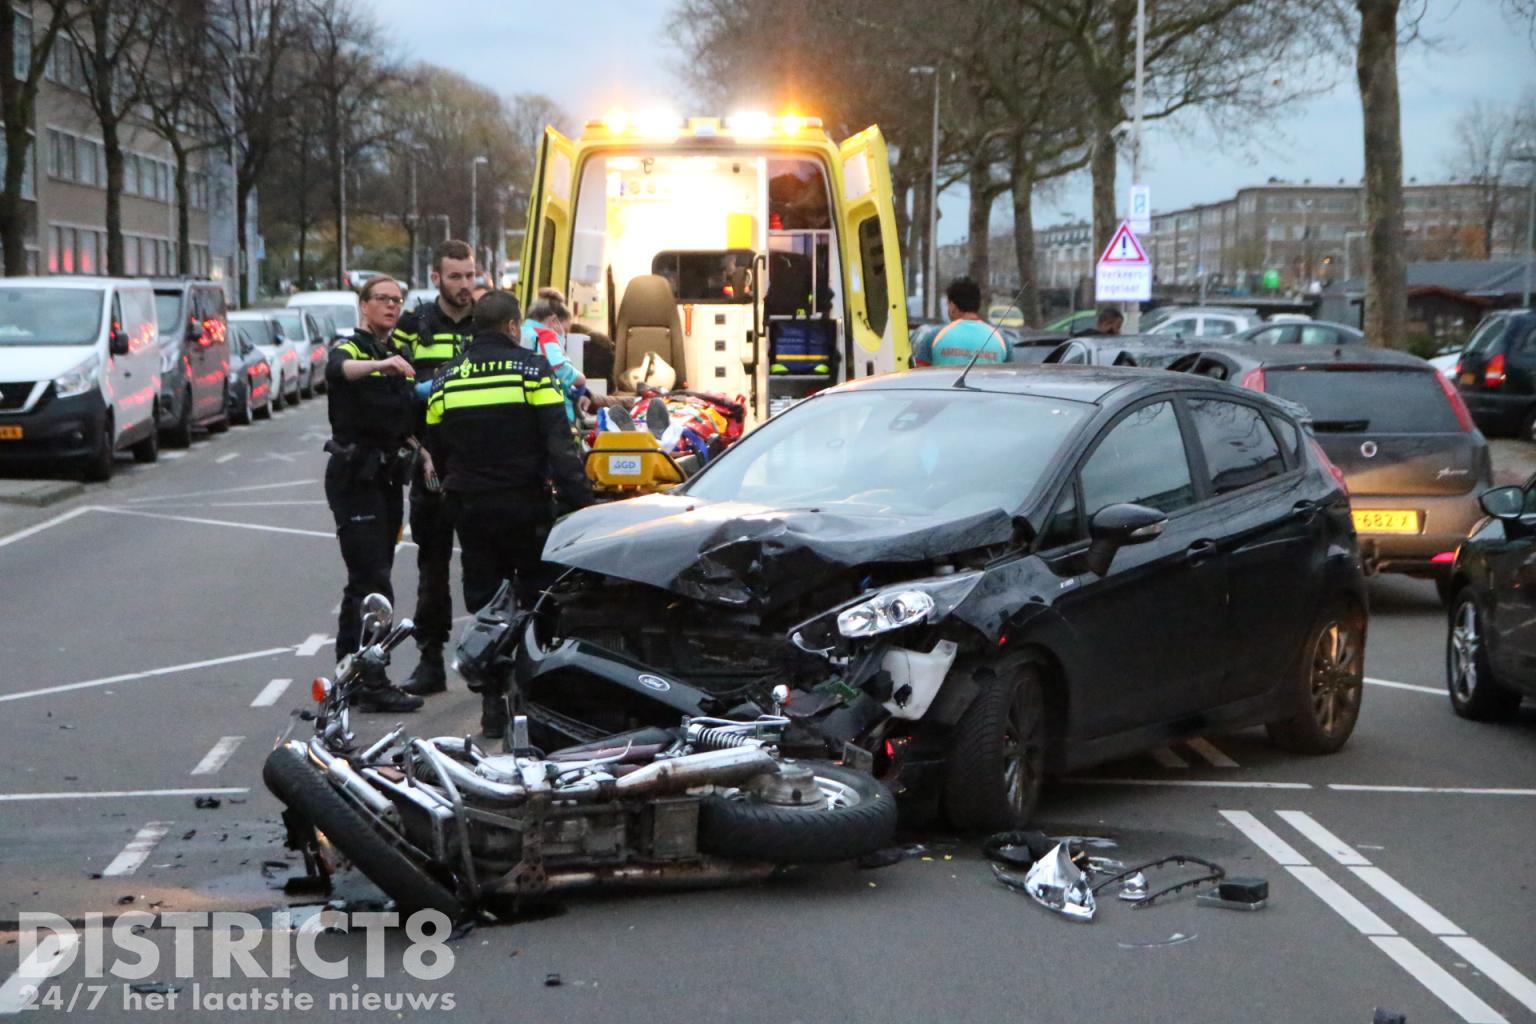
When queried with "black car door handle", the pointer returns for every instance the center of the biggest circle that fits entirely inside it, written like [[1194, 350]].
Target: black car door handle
[[1200, 550]]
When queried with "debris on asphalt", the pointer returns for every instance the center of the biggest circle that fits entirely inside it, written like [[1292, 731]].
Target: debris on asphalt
[[884, 858], [1056, 883], [123, 901], [207, 803], [1176, 939], [1134, 888], [153, 988], [1019, 849], [1237, 894], [1383, 1016], [552, 981], [189, 833], [1213, 873], [306, 885]]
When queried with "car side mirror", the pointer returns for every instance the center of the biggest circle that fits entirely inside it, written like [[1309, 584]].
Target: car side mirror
[[1507, 503], [1116, 526], [118, 342], [194, 331]]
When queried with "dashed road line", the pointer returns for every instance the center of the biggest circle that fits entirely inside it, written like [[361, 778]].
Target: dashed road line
[[1438, 691], [1265, 838], [270, 693], [1325, 840], [328, 535], [1192, 783], [1344, 787], [129, 677], [1438, 980], [1208, 750], [138, 849], [215, 759], [1168, 759], [20, 988], [31, 531], [173, 456], [222, 490], [312, 645], [1341, 901], [113, 794], [228, 456]]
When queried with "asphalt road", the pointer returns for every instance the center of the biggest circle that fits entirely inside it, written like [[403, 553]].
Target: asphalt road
[[157, 631]]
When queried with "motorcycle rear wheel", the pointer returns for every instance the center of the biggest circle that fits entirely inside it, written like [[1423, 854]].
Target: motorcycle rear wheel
[[296, 781], [858, 817]]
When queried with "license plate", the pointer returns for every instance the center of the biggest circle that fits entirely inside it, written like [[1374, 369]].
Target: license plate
[[624, 465], [10, 432], [1469, 379], [1380, 521]]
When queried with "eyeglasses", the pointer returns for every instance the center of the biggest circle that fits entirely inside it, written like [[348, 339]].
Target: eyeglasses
[[392, 300]]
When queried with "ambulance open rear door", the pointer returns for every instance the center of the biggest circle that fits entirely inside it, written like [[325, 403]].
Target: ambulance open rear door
[[547, 241], [871, 257]]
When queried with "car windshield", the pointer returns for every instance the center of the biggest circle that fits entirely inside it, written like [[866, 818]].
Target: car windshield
[[168, 313], [905, 452], [292, 321], [1378, 401], [257, 332], [49, 316], [344, 317], [1488, 334]]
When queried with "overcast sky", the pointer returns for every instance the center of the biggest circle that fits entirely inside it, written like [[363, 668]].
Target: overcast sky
[[605, 53]]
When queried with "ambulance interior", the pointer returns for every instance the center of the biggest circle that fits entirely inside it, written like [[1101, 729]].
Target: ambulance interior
[[745, 246]]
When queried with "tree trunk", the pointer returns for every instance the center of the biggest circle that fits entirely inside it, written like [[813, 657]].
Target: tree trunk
[[243, 185], [183, 213], [919, 263], [1386, 281], [1101, 164], [904, 231], [1490, 220], [113, 147], [1024, 244], [979, 225], [13, 209]]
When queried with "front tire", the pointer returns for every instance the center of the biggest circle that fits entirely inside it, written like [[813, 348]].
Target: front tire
[[297, 782], [148, 450], [180, 434], [858, 817], [996, 760], [1327, 690], [97, 467], [1475, 692]]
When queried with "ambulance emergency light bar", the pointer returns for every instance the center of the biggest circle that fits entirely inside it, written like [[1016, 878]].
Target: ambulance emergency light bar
[[665, 125]]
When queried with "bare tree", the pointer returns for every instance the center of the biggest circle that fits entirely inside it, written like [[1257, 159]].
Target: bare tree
[[19, 79], [1386, 280], [1485, 137]]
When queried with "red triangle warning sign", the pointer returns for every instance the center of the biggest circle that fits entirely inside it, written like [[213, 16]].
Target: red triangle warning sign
[[1124, 250]]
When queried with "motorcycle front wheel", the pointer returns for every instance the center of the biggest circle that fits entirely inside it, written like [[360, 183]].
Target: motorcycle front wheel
[[377, 853], [855, 815]]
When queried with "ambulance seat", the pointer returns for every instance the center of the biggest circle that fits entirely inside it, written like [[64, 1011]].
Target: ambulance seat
[[647, 323]]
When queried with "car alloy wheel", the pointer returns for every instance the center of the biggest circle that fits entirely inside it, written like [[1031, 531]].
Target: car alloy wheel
[[1336, 678], [1023, 755], [1465, 646]]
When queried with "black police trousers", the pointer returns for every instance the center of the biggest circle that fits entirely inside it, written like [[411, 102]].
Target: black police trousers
[[368, 516], [432, 530], [501, 534]]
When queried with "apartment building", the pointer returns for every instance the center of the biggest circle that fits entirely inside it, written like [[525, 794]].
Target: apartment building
[[67, 177]]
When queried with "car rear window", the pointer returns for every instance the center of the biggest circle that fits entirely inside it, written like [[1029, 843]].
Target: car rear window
[[1358, 400]]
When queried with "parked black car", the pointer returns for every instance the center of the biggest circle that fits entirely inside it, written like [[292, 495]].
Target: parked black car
[[1150, 350], [1497, 373], [1490, 654], [1414, 460], [971, 583], [250, 380], [194, 358]]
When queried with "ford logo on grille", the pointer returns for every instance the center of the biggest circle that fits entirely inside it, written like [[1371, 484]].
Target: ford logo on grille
[[655, 683], [1369, 449]]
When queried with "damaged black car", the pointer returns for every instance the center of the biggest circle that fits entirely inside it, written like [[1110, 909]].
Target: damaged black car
[[966, 584]]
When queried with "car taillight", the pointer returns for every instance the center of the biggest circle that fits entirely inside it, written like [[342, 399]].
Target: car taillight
[[1493, 374], [1322, 456], [1457, 372], [1458, 406], [1253, 380]]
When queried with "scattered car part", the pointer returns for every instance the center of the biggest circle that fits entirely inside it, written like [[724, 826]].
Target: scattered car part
[[1056, 884], [1214, 873], [1237, 894]]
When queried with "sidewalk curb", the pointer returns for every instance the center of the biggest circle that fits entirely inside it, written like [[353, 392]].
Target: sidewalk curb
[[38, 493]]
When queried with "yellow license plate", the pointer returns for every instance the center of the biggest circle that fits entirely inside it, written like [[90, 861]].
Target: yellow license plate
[[1469, 379], [10, 432], [1379, 521]]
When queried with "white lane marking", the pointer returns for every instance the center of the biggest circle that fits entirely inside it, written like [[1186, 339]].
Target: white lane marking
[[1340, 900], [1438, 980], [328, 535], [227, 457], [222, 490], [17, 992], [1208, 750], [1195, 783], [270, 693], [31, 531], [1325, 840], [1168, 759], [149, 673], [138, 849], [1494, 968], [1262, 836], [1465, 790], [312, 645], [1438, 691], [214, 760], [110, 794], [1426, 916], [173, 456], [258, 504]]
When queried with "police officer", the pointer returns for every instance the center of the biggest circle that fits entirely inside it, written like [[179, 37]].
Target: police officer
[[373, 414], [433, 334], [498, 416]]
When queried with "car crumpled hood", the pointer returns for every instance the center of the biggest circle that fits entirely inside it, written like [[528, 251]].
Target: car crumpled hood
[[748, 555]]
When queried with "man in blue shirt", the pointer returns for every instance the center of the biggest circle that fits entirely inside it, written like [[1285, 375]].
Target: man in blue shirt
[[966, 333]]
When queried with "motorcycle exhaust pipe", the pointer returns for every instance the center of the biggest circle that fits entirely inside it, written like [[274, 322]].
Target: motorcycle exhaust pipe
[[662, 876], [344, 776], [467, 782], [733, 764]]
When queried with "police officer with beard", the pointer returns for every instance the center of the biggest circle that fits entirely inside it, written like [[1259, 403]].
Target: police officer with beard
[[373, 416], [433, 334]]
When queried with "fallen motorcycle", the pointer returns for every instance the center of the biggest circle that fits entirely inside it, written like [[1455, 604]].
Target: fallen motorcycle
[[441, 823]]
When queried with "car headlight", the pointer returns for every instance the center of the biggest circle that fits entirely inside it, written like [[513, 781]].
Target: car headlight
[[77, 381], [887, 610]]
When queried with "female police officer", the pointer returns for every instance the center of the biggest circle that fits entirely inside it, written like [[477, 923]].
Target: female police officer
[[372, 410]]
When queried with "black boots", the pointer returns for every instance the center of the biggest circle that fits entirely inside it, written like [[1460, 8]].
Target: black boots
[[493, 715], [378, 694], [430, 677]]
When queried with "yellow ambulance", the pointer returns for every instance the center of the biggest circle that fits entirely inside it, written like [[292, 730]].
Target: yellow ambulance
[[748, 256]]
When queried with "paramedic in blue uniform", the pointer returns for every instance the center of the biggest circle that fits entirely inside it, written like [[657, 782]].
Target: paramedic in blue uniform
[[965, 335]]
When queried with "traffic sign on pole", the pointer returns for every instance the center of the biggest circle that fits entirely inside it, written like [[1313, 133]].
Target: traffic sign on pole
[[1124, 273], [1141, 209]]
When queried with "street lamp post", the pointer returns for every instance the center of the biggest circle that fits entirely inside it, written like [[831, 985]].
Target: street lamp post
[[474, 204], [1349, 251], [931, 271], [1527, 155], [1133, 309], [416, 234]]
